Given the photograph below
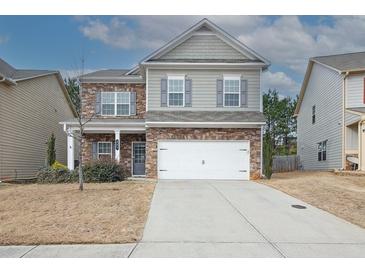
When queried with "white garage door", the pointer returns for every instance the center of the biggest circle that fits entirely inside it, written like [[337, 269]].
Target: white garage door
[[228, 160]]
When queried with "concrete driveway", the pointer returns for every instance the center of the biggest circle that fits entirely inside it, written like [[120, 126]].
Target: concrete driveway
[[241, 219]]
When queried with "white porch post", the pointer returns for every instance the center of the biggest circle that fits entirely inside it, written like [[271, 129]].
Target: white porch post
[[70, 150], [117, 145]]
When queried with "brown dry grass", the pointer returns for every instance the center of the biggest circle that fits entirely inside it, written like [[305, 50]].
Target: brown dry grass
[[343, 196], [60, 214]]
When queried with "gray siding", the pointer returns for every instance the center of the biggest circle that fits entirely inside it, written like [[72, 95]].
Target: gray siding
[[204, 88], [30, 112], [324, 90], [351, 118], [355, 91], [204, 47]]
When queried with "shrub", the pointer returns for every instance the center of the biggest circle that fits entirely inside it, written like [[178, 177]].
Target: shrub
[[103, 171], [51, 150], [58, 165], [98, 171], [55, 176], [268, 155]]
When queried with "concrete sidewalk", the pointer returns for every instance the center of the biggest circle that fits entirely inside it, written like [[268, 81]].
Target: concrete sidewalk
[[68, 251], [223, 219]]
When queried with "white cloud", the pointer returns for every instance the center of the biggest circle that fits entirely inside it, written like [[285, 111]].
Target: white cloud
[[279, 81], [3, 39]]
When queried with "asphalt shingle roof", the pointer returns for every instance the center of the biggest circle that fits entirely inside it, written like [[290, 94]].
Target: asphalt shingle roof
[[343, 62], [106, 73], [17, 74]]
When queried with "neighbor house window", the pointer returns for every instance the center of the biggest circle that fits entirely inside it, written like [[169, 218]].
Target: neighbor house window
[[322, 151], [231, 91], [115, 103], [104, 150], [313, 114], [175, 88]]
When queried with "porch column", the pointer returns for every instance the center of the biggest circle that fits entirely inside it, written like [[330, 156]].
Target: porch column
[[70, 150], [117, 145]]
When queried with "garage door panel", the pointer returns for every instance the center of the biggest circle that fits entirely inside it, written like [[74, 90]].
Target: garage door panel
[[203, 159]]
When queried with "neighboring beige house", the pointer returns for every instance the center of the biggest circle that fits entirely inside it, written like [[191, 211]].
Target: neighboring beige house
[[331, 113], [190, 110], [32, 103]]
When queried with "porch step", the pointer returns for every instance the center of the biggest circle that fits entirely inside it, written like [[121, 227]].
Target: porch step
[[349, 172]]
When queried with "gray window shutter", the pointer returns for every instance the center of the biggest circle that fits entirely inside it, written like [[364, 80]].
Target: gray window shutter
[[133, 105], [219, 93], [244, 93], [95, 150], [188, 97], [98, 103], [164, 92], [113, 151]]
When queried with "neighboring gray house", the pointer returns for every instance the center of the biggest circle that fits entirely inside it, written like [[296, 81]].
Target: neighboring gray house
[[190, 110], [32, 103], [331, 112]]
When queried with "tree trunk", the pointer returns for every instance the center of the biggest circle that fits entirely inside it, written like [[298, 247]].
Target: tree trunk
[[81, 174]]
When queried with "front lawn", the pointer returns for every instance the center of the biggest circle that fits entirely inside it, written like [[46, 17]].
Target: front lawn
[[60, 213], [343, 196]]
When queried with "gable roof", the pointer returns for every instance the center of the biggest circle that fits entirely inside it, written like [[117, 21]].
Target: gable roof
[[341, 63], [203, 25], [348, 62], [11, 75]]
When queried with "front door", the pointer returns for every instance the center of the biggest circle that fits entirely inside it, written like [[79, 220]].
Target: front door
[[139, 155]]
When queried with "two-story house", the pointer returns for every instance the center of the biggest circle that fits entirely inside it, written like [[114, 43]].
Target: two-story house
[[190, 110], [32, 103], [331, 112]]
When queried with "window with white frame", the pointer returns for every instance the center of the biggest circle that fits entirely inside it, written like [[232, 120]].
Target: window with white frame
[[176, 91], [231, 91], [322, 151], [104, 150], [115, 103]]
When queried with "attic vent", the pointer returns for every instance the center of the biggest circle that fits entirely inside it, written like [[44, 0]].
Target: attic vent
[[203, 28]]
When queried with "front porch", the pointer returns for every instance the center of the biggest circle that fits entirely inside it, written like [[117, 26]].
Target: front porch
[[355, 143], [105, 139]]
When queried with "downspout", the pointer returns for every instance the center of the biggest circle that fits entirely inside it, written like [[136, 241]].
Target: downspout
[[343, 121]]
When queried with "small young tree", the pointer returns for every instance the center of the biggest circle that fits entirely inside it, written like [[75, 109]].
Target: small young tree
[[267, 154], [51, 150], [75, 92]]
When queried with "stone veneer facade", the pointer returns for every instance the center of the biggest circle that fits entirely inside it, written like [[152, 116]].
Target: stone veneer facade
[[251, 134], [89, 98], [125, 147]]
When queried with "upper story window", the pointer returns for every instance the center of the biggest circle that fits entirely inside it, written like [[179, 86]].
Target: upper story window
[[322, 151], [176, 91], [313, 114], [115, 103], [231, 91]]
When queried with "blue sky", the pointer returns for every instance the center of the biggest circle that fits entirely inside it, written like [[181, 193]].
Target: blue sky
[[59, 42]]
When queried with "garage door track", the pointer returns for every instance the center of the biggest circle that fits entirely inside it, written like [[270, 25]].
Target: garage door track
[[241, 219]]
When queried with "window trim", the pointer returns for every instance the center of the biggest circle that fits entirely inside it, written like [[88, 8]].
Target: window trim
[[237, 78], [116, 104], [111, 149], [175, 77], [323, 146]]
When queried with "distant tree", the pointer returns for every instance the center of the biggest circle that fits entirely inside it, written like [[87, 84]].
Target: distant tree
[[73, 90], [51, 150], [267, 154], [280, 121]]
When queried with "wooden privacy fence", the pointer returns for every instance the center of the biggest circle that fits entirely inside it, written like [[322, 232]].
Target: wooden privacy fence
[[285, 163]]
